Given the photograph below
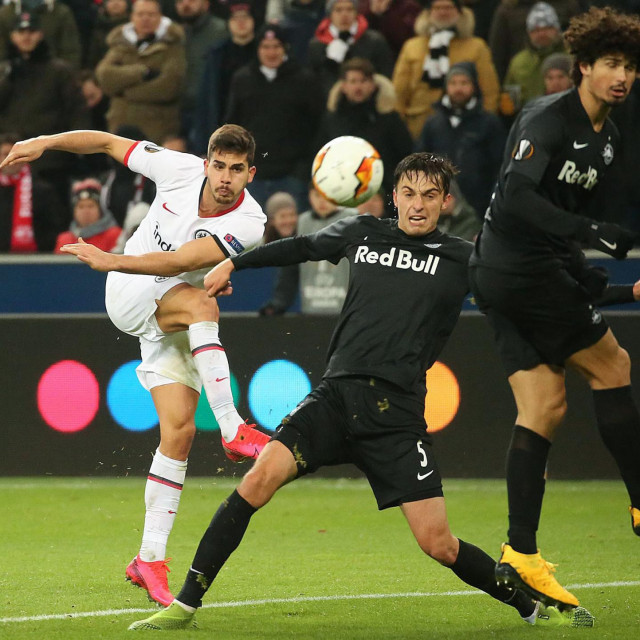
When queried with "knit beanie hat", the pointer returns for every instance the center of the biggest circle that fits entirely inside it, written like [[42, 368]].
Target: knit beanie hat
[[464, 68], [89, 188], [273, 32], [542, 15], [279, 200], [561, 61]]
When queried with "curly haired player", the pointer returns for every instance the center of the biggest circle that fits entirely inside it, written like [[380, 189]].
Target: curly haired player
[[529, 276]]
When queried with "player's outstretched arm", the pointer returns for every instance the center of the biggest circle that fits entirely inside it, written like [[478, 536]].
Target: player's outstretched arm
[[191, 256], [82, 142], [217, 281]]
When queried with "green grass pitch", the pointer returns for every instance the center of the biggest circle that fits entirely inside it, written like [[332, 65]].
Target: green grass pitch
[[318, 562]]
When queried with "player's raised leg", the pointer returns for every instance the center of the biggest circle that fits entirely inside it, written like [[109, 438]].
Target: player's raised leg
[[185, 307]]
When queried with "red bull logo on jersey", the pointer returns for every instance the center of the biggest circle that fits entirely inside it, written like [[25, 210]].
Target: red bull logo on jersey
[[572, 175], [398, 258]]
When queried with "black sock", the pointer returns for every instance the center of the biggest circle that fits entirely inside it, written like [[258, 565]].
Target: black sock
[[526, 464], [219, 541], [477, 569], [619, 425]]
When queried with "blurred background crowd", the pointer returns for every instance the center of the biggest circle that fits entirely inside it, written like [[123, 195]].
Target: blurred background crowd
[[447, 76]]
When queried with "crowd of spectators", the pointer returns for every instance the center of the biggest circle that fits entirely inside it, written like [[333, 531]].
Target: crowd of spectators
[[440, 75]]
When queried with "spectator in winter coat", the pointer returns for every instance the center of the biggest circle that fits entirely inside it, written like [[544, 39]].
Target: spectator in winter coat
[[144, 72], [90, 222], [222, 60], [345, 34], [362, 103], [508, 33], [525, 69], [58, 26], [39, 95], [202, 31], [445, 37], [280, 103], [472, 138]]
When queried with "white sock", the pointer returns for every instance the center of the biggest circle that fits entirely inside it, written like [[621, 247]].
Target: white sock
[[213, 367], [161, 497]]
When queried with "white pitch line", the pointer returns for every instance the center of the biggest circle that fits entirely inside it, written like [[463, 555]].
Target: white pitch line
[[251, 603]]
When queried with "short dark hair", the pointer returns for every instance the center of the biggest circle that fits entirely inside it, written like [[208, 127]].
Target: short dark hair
[[232, 138], [364, 66], [600, 32], [438, 168]]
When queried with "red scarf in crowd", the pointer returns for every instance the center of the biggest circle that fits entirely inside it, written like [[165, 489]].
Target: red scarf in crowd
[[22, 240]]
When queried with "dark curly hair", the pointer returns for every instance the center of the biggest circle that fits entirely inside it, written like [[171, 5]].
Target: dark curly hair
[[599, 32]]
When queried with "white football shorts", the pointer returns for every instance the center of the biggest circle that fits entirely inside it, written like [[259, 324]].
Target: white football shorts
[[130, 300]]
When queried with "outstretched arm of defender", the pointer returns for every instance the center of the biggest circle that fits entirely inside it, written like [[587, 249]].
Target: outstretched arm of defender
[[82, 142], [191, 256]]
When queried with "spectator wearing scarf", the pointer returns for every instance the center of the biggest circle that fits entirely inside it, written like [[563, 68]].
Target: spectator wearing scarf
[[90, 222], [444, 38]]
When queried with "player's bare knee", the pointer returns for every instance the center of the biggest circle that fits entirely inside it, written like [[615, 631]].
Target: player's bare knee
[[441, 546], [204, 309], [259, 485]]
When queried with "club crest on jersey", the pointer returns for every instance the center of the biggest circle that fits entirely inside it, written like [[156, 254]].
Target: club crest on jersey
[[202, 233], [152, 148], [607, 154], [522, 151], [234, 243]]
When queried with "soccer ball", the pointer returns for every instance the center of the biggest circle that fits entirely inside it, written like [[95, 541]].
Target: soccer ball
[[347, 170]]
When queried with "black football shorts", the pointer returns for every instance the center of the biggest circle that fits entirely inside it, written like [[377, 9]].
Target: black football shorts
[[369, 423], [536, 320]]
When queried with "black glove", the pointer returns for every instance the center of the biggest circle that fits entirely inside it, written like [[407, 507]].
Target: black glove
[[610, 238]]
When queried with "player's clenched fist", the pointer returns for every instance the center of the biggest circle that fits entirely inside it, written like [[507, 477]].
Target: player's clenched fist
[[217, 282]]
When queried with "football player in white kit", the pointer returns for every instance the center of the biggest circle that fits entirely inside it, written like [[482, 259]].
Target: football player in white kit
[[201, 215]]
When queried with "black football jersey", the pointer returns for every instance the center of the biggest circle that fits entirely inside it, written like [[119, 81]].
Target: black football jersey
[[553, 143], [403, 299]]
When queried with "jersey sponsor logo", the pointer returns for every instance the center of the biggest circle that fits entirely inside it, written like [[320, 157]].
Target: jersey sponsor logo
[[398, 258], [572, 175], [164, 206], [164, 246], [234, 243], [152, 148], [577, 145], [607, 154], [202, 233], [523, 150]]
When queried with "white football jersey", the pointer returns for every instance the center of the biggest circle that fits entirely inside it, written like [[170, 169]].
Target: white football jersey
[[173, 216]]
